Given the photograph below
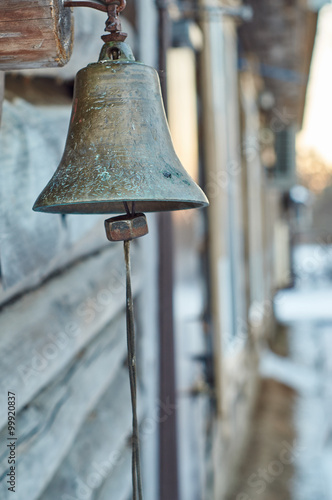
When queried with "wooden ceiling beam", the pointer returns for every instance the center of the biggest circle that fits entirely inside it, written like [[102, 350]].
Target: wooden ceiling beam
[[34, 34], [281, 35]]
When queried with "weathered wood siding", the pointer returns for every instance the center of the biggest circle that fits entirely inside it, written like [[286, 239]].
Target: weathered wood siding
[[62, 285], [33, 245], [62, 330], [30, 148], [50, 423], [43, 331]]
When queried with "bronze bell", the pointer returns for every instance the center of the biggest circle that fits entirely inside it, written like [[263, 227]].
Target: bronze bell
[[119, 147]]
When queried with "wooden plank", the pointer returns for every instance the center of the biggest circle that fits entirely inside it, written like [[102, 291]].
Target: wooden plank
[[13, 11], [34, 34], [97, 453], [34, 245], [92, 242], [47, 427], [31, 143], [44, 330], [118, 485]]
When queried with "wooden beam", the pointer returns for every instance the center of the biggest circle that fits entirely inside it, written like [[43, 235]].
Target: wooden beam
[[281, 35], [35, 34], [307, 45]]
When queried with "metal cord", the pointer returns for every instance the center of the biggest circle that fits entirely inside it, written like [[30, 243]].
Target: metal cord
[[136, 466]]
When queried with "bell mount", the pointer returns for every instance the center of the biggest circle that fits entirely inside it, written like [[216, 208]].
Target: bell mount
[[113, 9]]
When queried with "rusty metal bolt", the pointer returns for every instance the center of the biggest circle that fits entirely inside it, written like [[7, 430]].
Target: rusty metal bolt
[[126, 227]]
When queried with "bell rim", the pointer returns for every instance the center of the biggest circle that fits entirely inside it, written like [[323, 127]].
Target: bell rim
[[67, 208]]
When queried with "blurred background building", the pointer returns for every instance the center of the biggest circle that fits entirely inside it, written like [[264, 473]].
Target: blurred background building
[[234, 371]]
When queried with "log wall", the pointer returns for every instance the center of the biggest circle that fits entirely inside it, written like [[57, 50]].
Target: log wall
[[62, 330]]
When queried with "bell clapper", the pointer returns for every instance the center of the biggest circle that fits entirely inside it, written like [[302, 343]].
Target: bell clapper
[[126, 228]]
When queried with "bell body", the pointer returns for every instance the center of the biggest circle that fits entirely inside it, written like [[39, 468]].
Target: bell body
[[119, 147]]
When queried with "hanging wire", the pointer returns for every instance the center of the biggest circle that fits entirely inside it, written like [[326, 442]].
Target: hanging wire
[[136, 465]]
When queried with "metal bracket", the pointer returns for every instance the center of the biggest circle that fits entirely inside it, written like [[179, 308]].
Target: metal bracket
[[102, 5], [112, 8]]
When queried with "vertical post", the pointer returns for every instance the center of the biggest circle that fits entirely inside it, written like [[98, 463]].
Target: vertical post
[[148, 301], [223, 188], [215, 161], [168, 473]]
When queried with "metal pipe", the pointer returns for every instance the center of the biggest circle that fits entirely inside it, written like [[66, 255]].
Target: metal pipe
[[168, 459]]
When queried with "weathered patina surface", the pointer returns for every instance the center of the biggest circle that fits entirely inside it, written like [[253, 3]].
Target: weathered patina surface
[[119, 146]]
